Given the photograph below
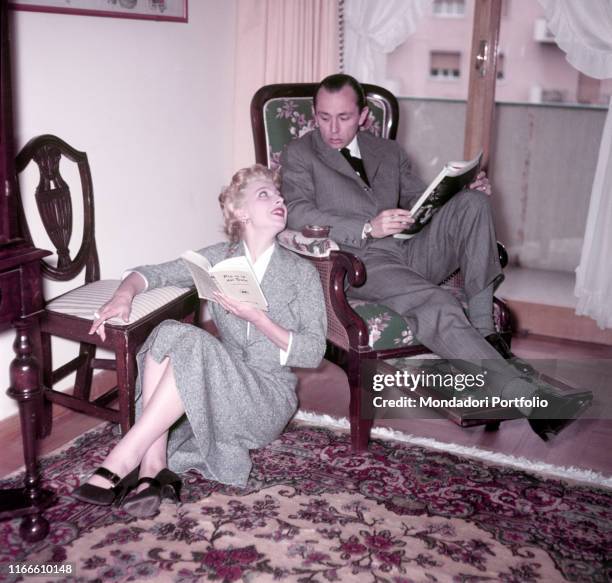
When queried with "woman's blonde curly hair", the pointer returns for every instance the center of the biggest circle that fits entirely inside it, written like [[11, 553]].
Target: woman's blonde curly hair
[[231, 196]]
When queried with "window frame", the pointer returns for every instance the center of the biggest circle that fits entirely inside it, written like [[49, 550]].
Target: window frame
[[480, 108]]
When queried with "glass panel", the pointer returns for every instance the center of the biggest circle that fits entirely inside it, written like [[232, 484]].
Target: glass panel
[[549, 120], [535, 68], [429, 73], [433, 62]]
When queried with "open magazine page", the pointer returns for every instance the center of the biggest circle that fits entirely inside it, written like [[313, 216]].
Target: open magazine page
[[454, 177]]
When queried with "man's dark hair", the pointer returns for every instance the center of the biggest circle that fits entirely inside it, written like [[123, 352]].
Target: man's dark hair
[[336, 82]]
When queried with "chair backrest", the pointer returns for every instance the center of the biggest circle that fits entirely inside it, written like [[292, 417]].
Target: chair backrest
[[54, 203], [282, 112]]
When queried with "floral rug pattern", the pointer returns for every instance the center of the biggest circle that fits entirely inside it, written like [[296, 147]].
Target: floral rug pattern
[[315, 512]]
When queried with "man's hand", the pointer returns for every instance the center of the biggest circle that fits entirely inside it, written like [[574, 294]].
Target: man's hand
[[481, 183], [390, 222]]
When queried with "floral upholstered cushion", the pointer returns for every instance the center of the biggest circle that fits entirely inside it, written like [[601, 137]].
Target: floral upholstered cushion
[[387, 329], [288, 118]]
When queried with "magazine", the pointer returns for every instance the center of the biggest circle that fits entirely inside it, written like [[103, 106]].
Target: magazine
[[233, 277], [453, 178]]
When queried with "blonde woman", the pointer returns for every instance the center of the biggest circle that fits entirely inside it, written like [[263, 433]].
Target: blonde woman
[[220, 397]]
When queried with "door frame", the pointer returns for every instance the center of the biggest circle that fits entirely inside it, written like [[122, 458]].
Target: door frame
[[480, 112]]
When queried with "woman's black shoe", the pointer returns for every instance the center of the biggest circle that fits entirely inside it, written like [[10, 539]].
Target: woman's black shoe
[[562, 410], [106, 496], [171, 485], [145, 504]]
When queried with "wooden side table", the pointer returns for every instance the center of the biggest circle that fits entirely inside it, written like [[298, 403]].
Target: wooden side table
[[20, 301]]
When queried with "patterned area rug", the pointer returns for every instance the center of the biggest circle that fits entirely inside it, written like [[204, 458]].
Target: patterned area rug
[[315, 512]]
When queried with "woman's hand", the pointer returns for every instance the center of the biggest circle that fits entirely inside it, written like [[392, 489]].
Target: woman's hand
[[260, 319], [240, 309], [120, 305]]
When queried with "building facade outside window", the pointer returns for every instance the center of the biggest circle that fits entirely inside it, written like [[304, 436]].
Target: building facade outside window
[[449, 8], [532, 68]]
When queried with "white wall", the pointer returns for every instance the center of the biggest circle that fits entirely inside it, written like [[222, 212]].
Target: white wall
[[150, 103]]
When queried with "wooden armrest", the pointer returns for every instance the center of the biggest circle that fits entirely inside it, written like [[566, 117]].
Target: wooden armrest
[[349, 265], [343, 267], [339, 268]]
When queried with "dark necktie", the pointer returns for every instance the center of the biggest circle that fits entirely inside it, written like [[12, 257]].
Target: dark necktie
[[356, 164]]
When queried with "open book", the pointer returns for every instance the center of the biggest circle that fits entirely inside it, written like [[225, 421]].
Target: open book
[[454, 177], [233, 277]]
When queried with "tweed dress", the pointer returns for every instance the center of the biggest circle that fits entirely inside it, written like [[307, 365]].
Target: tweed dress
[[236, 394]]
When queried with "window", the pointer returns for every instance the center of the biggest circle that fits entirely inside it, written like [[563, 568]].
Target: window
[[450, 8], [505, 8], [500, 67], [554, 96], [445, 65], [532, 67], [589, 90]]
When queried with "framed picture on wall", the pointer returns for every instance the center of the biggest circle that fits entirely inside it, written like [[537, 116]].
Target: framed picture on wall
[[172, 10]]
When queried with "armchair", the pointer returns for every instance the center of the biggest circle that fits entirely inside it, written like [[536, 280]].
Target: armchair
[[70, 315], [359, 333]]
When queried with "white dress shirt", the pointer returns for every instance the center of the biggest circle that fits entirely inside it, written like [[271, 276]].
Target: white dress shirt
[[259, 267], [353, 148]]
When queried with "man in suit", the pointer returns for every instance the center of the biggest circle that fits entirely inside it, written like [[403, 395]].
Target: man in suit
[[361, 186]]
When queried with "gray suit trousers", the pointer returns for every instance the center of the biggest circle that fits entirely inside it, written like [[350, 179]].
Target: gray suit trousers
[[403, 275]]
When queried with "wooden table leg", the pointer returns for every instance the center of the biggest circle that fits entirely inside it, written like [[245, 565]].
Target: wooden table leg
[[26, 389]]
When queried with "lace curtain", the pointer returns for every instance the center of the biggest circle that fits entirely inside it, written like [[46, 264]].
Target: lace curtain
[[374, 28], [583, 30], [594, 272], [279, 41]]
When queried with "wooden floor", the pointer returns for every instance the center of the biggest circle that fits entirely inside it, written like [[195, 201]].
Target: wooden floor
[[543, 302], [586, 444]]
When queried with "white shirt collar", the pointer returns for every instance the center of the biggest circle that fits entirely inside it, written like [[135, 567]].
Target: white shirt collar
[[261, 265], [353, 147]]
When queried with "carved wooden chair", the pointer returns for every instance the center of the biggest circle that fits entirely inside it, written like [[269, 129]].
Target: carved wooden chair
[[70, 315], [359, 333]]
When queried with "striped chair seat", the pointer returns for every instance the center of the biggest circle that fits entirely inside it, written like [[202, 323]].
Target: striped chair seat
[[83, 301]]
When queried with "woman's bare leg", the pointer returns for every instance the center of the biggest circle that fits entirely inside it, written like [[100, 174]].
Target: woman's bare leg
[[155, 458], [163, 407]]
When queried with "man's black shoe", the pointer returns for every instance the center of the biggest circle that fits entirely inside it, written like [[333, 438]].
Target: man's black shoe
[[497, 342], [562, 410]]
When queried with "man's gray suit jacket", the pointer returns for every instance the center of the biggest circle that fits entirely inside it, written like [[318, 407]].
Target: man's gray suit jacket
[[321, 188]]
